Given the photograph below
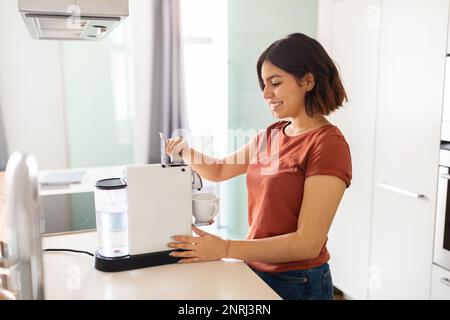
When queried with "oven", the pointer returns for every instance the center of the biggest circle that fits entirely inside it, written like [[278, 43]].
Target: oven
[[441, 255]]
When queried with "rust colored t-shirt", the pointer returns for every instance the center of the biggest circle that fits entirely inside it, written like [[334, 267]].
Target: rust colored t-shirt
[[276, 177]]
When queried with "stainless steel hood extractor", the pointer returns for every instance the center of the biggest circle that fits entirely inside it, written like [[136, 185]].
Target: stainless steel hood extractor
[[72, 19]]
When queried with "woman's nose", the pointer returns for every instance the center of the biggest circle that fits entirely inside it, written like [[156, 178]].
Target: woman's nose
[[267, 93]]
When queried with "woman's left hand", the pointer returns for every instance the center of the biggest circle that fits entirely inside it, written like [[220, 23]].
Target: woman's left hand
[[205, 247]]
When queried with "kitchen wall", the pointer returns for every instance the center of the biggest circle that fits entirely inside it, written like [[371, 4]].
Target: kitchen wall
[[99, 125], [107, 83], [31, 91], [56, 96], [253, 26]]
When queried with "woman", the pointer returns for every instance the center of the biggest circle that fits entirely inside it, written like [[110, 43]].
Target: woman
[[297, 172]]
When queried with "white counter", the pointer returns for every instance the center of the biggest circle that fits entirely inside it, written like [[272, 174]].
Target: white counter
[[73, 276], [91, 176]]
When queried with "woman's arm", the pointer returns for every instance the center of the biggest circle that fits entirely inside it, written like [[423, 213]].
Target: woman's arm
[[210, 168], [322, 195]]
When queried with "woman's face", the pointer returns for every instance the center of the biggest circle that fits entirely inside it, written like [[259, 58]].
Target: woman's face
[[283, 92]]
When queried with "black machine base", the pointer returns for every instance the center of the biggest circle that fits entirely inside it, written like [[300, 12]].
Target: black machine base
[[130, 262]]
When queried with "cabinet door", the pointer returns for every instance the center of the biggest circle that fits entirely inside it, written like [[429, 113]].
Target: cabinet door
[[440, 284], [354, 48], [412, 62]]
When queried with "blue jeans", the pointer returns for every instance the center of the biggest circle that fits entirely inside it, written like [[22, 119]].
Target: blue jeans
[[309, 284]]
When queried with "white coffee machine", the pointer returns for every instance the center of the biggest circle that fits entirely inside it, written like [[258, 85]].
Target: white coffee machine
[[159, 207]]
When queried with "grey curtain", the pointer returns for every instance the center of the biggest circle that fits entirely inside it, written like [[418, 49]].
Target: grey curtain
[[167, 112], [3, 149]]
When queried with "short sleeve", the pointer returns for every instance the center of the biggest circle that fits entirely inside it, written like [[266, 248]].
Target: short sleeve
[[330, 156]]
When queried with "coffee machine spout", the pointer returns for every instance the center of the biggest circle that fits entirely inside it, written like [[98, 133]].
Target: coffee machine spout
[[176, 160], [197, 182]]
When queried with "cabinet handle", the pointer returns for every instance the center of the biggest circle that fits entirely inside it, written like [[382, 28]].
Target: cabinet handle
[[401, 191], [445, 281]]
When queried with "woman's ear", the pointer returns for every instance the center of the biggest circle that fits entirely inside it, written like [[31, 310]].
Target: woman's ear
[[308, 81]]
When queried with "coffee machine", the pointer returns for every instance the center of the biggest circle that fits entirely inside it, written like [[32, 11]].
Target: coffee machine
[[159, 206]]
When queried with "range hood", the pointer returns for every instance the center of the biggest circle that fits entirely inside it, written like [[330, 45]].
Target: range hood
[[72, 19]]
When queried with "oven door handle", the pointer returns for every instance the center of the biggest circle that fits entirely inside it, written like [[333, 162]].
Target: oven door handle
[[401, 191], [445, 176], [445, 281]]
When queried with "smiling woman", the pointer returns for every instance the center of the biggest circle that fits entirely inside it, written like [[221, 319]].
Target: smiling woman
[[313, 68], [297, 172]]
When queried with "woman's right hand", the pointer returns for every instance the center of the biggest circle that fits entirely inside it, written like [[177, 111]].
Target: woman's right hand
[[176, 146]]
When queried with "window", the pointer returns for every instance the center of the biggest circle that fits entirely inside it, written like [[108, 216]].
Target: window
[[98, 84], [204, 24], [205, 36]]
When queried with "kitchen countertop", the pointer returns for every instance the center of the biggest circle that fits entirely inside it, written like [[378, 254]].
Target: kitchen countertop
[[91, 176], [73, 276]]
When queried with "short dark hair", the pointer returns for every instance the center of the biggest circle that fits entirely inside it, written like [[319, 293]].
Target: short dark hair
[[298, 54]]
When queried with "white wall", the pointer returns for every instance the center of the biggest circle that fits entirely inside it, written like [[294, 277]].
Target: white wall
[[31, 91], [324, 23], [32, 97]]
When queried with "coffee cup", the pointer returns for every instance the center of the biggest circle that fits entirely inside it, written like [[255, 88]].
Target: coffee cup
[[204, 207]]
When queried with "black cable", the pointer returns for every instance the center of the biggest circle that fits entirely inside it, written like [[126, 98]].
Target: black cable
[[69, 250]]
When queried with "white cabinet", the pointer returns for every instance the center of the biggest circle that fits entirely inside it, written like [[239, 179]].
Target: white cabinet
[[440, 284], [392, 58], [355, 46], [410, 87]]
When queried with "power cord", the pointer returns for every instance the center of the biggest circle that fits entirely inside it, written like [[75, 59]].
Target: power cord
[[69, 250]]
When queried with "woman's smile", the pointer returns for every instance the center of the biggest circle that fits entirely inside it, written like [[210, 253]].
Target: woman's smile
[[275, 105]]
